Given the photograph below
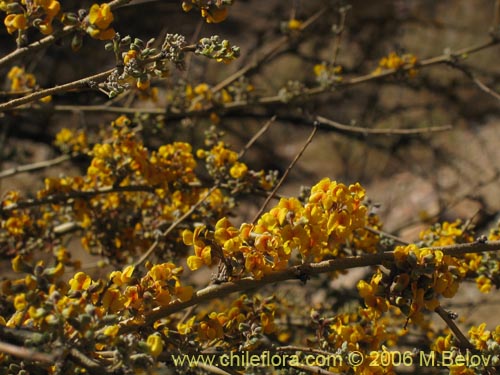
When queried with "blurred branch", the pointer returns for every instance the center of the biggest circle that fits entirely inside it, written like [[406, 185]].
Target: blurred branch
[[339, 30], [34, 166], [355, 129], [25, 353], [448, 57], [477, 81], [84, 82], [267, 54]]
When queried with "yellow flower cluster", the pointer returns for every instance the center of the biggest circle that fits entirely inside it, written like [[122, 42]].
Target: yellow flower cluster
[[485, 341], [314, 231], [86, 309], [396, 62], [418, 278], [39, 13], [22, 81], [71, 141], [220, 159], [99, 21], [363, 331], [485, 266], [212, 13], [247, 318]]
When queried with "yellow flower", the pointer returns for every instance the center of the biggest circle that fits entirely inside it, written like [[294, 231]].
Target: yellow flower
[[80, 281], [194, 262], [20, 302], [483, 284], [186, 328], [101, 16], [294, 24], [186, 7], [238, 170], [155, 344], [111, 331], [184, 293], [214, 14], [113, 300], [15, 22]]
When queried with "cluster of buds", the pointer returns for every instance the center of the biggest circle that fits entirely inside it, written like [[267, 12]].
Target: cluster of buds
[[291, 90], [217, 49], [327, 75], [138, 62]]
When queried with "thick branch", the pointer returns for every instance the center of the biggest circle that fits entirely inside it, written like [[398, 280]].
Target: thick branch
[[302, 272]]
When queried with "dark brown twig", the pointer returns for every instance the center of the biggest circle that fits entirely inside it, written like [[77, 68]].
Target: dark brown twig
[[464, 341]]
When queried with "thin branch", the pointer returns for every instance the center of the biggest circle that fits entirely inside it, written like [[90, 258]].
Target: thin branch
[[266, 55], [36, 46], [385, 234], [477, 81], [464, 341], [57, 198], [285, 175], [302, 271], [339, 30], [84, 82], [25, 353], [256, 136], [276, 99], [172, 226], [34, 166], [305, 349], [366, 131], [103, 108], [93, 367], [496, 16]]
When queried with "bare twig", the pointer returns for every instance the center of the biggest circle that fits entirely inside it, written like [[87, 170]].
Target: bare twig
[[84, 82], [285, 175], [360, 130], [93, 367], [385, 234], [25, 353], [34, 166], [477, 81], [339, 30], [266, 55], [276, 99], [256, 136]]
